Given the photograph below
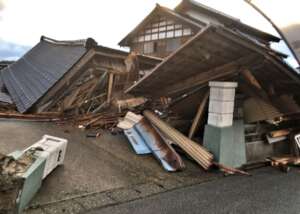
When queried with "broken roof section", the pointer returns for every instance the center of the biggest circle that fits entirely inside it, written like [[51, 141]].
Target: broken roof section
[[38, 70], [217, 53], [188, 6], [197, 16]]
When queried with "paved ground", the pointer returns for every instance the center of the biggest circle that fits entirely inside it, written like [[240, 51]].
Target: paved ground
[[104, 175], [268, 191], [97, 172]]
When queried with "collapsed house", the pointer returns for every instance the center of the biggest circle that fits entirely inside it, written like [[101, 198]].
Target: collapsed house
[[178, 59], [53, 70], [223, 49]]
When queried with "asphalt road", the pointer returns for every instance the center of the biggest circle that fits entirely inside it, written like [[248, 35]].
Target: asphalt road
[[267, 191]]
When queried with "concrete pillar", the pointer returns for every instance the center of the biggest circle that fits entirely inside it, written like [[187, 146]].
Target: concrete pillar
[[222, 136]]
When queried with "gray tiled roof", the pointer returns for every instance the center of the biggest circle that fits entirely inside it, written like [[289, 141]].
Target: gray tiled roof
[[5, 98], [28, 79]]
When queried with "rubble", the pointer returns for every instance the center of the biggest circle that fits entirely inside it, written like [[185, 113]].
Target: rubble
[[160, 90], [145, 139], [11, 181], [22, 172]]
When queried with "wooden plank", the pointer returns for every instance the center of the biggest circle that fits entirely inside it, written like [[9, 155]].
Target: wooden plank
[[110, 87], [199, 115], [280, 133], [69, 100], [197, 152], [98, 83]]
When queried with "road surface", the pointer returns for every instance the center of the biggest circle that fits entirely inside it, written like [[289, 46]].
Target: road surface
[[267, 191]]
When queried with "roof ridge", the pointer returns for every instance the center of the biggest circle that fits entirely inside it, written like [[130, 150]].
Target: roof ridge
[[87, 43]]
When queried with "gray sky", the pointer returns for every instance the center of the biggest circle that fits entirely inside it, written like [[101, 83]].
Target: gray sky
[[23, 22]]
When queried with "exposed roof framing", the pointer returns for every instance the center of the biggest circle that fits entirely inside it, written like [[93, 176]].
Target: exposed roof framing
[[37, 75], [214, 53]]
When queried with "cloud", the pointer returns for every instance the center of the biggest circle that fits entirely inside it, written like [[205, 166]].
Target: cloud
[[11, 51], [1, 5]]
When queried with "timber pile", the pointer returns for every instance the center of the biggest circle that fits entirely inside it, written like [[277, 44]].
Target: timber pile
[[197, 152], [83, 98]]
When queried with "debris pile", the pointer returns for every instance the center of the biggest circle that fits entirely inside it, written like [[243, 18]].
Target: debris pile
[[146, 139], [11, 180], [211, 94]]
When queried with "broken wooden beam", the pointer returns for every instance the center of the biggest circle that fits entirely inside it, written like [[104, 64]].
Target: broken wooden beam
[[199, 115], [280, 133], [251, 78]]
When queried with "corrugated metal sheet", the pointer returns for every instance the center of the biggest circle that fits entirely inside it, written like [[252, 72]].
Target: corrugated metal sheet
[[256, 110], [36, 72]]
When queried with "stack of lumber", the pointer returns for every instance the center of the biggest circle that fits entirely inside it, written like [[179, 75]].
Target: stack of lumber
[[197, 152]]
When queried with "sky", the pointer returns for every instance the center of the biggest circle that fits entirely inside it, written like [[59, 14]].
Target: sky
[[23, 22]]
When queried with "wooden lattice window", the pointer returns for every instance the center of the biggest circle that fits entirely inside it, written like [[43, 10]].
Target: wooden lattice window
[[162, 28]]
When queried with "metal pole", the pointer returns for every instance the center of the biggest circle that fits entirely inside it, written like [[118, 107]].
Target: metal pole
[[276, 28]]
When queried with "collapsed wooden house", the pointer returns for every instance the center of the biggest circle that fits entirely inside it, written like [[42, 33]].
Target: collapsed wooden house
[[71, 76], [220, 49], [174, 54]]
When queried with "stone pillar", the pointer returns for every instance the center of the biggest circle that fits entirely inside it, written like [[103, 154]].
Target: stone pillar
[[221, 103]]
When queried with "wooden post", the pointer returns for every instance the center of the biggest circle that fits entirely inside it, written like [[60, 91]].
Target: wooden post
[[110, 87], [199, 115]]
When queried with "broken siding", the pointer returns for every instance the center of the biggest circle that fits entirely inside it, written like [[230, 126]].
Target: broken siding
[[35, 73]]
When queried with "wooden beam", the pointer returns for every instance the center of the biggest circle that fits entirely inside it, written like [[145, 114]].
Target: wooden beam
[[251, 78], [213, 74], [110, 87], [199, 115], [280, 133]]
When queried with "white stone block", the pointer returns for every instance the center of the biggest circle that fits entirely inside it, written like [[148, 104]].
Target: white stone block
[[222, 94], [223, 84], [220, 120], [221, 107]]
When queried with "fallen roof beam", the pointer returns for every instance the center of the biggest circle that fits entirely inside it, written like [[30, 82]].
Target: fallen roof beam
[[213, 74]]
